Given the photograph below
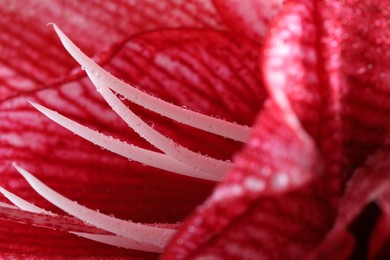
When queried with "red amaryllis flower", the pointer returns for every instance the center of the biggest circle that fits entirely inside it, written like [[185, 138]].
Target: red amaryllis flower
[[311, 180]]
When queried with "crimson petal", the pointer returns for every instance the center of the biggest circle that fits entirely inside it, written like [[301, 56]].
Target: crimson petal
[[369, 184], [279, 163], [206, 71], [31, 56], [268, 196], [248, 18], [274, 175], [58, 157]]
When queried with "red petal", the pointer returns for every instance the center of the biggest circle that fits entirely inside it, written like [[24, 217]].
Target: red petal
[[339, 95], [380, 238], [19, 241], [101, 180], [248, 18], [86, 173], [368, 184], [31, 56], [242, 216], [378, 247], [22, 240], [354, 87], [59, 222], [245, 215], [205, 71]]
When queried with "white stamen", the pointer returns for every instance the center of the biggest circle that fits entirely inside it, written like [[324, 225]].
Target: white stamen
[[105, 239], [151, 158], [120, 242], [6, 205], [21, 203], [138, 232], [209, 124], [168, 146]]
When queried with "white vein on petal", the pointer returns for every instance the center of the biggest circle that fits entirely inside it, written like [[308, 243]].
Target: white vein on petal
[[197, 120], [156, 236], [147, 157]]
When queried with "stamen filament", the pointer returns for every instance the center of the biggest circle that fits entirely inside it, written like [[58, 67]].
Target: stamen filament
[[197, 120], [102, 238], [120, 242], [132, 152], [139, 232], [168, 146], [21, 203]]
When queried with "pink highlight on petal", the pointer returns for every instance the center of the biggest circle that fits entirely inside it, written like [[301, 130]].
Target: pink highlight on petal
[[209, 124], [124, 149], [138, 232]]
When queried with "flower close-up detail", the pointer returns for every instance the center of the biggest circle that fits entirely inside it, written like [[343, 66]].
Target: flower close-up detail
[[212, 129]]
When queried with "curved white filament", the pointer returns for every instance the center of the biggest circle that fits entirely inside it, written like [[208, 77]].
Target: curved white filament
[[209, 124], [102, 238], [21, 203], [120, 242], [147, 157], [168, 146], [139, 232]]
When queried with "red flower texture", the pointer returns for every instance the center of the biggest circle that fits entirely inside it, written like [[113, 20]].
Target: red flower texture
[[309, 179]]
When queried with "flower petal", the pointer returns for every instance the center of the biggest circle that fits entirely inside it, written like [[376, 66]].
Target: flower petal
[[97, 178], [339, 95], [368, 185], [32, 58], [250, 18], [101, 180], [62, 223], [275, 174], [154, 235], [206, 71], [22, 241], [378, 246]]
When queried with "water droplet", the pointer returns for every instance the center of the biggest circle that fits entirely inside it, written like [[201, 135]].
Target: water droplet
[[280, 180], [191, 228]]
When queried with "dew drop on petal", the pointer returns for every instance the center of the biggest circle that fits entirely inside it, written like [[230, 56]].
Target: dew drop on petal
[[280, 180], [254, 184]]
